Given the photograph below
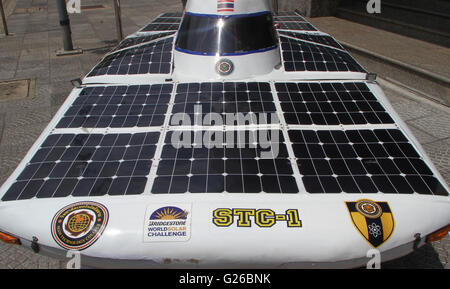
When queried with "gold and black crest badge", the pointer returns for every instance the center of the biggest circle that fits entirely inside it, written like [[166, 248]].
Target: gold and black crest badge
[[79, 225], [373, 220]]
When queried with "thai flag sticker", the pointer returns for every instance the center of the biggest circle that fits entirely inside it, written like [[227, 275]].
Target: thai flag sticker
[[225, 6]]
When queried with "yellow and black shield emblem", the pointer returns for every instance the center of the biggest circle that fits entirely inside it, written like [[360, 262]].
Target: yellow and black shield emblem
[[373, 220]]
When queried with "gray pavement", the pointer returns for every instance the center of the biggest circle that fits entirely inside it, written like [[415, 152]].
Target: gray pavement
[[416, 64], [30, 54], [427, 56], [430, 123]]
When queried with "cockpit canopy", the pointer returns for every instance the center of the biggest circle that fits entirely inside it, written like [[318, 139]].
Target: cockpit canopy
[[226, 35]]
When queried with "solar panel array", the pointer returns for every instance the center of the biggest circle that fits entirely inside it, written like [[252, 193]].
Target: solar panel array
[[118, 107], [164, 22], [132, 41], [236, 169], [305, 49], [347, 160], [304, 56], [176, 20], [292, 21], [223, 98], [161, 27], [299, 26], [330, 104], [316, 38], [152, 58], [361, 161], [326, 136], [87, 165]]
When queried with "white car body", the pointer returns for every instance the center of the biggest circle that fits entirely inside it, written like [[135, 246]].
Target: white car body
[[326, 236]]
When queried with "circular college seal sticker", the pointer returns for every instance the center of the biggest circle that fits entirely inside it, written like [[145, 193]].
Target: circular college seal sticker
[[224, 67], [79, 225], [369, 209]]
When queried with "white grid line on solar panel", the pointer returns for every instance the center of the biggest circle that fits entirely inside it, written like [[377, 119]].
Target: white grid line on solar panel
[[118, 107], [161, 27], [361, 161], [303, 56], [284, 128], [300, 26], [209, 168], [107, 130], [153, 58], [342, 127], [164, 128], [333, 103], [86, 165], [224, 98], [166, 20], [321, 39], [225, 127], [135, 41]]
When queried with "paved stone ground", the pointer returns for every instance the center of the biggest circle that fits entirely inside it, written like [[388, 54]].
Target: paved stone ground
[[30, 53], [430, 124], [8, 7]]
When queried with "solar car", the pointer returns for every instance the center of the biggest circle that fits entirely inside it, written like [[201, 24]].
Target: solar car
[[226, 136]]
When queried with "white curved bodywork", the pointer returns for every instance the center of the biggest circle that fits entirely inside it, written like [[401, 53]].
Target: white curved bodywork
[[301, 230], [327, 239], [243, 65]]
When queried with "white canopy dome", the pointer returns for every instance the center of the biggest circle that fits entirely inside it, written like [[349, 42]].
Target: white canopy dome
[[226, 39]]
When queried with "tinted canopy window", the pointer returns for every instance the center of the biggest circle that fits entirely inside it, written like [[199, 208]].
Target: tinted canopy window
[[236, 34]]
